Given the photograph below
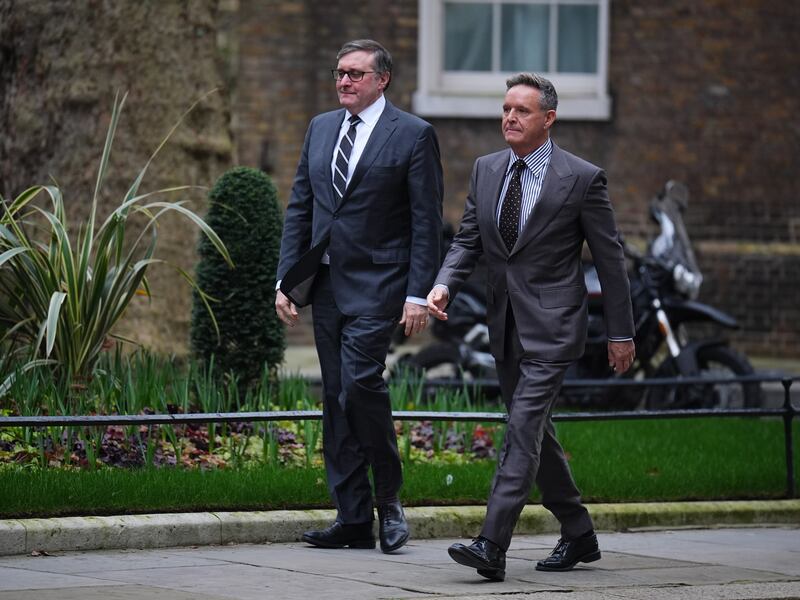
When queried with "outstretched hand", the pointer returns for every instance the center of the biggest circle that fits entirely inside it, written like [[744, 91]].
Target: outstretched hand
[[437, 302]]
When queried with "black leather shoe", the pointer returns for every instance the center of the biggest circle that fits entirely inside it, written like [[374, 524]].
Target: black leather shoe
[[392, 527], [339, 536], [568, 553], [481, 554]]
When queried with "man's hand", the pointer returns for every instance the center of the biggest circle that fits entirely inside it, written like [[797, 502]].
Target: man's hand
[[415, 317], [621, 355], [437, 302], [287, 311]]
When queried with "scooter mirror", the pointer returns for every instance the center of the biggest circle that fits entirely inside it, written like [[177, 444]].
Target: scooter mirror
[[678, 192]]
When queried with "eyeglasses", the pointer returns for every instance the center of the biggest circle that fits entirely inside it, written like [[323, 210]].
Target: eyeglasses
[[338, 74]]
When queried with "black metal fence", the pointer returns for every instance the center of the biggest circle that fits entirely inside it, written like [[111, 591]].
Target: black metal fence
[[787, 411]]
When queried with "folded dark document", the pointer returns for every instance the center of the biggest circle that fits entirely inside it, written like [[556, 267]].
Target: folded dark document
[[298, 282]]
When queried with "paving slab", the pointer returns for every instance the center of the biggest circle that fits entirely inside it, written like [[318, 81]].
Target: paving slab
[[255, 582], [131, 592], [770, 549], [770, 591], [75, 563], [22, 578]]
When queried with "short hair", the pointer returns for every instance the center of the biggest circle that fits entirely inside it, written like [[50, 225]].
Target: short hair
[[380, 55], [548, 99]]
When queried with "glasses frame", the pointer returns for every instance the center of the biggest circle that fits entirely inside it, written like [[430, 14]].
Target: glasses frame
[[336, 74]]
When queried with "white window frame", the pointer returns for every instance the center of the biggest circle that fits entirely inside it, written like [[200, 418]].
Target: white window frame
[[480, 95]]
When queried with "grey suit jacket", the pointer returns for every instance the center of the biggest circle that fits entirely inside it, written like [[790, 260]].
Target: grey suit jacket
[[385, 233], [542, 277]]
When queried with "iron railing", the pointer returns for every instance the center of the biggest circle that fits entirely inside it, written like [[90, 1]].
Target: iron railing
[[787, 411]]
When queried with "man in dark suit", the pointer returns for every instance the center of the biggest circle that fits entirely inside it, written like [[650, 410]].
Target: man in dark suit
[[528, 212], [367, 200]]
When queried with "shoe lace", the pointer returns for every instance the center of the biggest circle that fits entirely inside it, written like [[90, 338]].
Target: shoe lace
[[561, 547]]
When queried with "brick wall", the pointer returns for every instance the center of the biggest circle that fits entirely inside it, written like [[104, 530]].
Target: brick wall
[[707, 93], [757, 284]]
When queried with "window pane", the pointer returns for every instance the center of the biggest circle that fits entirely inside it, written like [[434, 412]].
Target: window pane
[[577, 38], [467, 36], [525, 37]]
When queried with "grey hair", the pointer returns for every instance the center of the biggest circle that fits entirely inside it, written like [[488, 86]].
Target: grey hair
[[548, 99], [380, 55]]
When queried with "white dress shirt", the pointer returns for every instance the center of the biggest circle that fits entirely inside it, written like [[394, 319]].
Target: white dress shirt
[[369, 118], [531, 178]]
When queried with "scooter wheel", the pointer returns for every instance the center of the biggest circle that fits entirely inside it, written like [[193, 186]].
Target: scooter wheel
[[436, 361], [713, 362]]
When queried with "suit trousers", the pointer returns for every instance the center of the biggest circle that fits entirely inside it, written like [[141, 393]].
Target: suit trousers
[[531, 452], [357, 427]]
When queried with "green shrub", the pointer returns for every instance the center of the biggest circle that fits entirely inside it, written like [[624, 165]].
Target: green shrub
[[63, 288], [244, 213]]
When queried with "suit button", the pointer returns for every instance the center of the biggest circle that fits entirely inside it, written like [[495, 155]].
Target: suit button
[[335, 216]]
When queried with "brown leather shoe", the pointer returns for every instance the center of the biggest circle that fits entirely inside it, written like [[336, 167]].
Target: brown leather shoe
[[484, 555], [568, 553], [392, 527], [340, 536]]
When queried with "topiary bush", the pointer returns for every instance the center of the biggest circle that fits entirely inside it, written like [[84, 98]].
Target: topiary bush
[[244, 213]]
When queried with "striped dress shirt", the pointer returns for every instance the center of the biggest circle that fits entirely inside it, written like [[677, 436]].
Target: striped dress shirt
[[531, 179]]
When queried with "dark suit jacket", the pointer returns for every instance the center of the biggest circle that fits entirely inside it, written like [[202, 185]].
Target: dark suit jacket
[[385, 234], [542, 276]]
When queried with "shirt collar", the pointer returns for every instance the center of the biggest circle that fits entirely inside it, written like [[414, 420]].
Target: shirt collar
[[372, 113], [536, 160]]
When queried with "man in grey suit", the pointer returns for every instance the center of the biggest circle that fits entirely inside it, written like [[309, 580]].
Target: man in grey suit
[[366, 208], [528, 212]]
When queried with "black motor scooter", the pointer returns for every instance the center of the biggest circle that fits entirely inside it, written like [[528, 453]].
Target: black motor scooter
[[676, 336]]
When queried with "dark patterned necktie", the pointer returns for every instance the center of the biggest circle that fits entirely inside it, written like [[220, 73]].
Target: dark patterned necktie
[[343, 157], [509, 212]]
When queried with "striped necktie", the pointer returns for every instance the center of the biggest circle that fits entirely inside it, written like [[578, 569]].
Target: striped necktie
[[343, 157]]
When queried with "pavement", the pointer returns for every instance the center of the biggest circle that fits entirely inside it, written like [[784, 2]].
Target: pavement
[[677, 564], [681, 550]]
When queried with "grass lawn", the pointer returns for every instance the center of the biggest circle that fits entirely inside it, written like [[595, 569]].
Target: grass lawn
[[622, 461], [679, 459]]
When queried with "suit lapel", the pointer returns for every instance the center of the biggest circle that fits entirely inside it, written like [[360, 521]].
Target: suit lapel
[[328, 146], [383, 130], [488, 193], [558, 182]]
